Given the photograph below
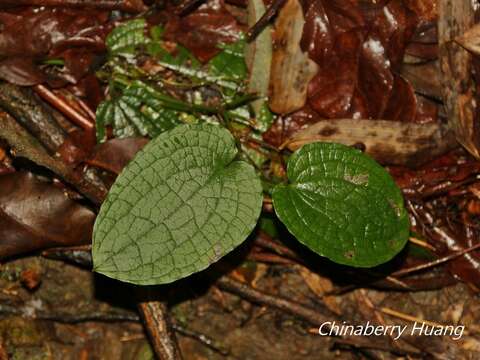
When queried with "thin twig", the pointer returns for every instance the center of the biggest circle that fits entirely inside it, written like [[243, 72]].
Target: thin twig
[[437, 262], [421, 243], [303, 312], [83, 105], [269, 14], [203, 339], [62, 106], [188, 6], [410, 318], [265, 241], [21, 104]]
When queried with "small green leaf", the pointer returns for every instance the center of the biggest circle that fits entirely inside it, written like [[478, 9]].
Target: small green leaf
[[138, 111], [126, 37], [180, 205], [342, 205], [230, 63]]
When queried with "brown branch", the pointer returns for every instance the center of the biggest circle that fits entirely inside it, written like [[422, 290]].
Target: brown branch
[[269, 14], [305, 313], [25, 145], [265, 241], [157, 323], [389, 142], [21, 104], [84, 106], [107, 316], [188, 6]]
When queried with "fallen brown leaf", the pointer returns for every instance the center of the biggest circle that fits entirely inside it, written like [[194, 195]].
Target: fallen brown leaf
[[35, 214]]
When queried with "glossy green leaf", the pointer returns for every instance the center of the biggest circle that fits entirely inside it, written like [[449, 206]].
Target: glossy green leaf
[[180, 205], [342, 205], [138, 111], [126, 37]]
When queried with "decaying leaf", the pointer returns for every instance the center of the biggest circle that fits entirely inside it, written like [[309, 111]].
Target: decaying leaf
[[113, 155], [320, 286], [36, 34], [203, 29], [35, 214], [291, 69]]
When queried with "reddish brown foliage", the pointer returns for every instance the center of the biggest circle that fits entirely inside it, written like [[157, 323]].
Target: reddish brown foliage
[[33, 35], [205, 28]]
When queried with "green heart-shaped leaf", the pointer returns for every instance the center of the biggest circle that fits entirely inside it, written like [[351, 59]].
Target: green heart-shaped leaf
[[180, 205], [342, 205]]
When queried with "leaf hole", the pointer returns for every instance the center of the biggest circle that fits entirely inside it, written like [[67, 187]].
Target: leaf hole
[[349, 254], [360, 179]]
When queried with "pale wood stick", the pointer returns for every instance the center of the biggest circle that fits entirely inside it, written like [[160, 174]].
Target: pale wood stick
[[389, 142]]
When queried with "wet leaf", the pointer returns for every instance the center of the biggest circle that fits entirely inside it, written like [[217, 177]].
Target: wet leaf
[[343, 205], [40, 33], [202, 30], [113, 155], [179, 206], [403, 105], [375, 78], [35, 214], [358, 46], [333, 36]]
